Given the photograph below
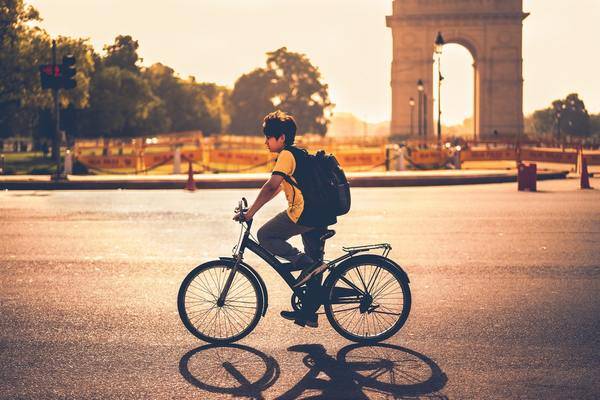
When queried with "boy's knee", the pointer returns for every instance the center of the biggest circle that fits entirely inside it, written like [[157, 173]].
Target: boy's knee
[[262, 235]]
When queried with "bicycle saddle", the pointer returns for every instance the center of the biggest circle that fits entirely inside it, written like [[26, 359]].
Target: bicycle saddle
[[327, 233]]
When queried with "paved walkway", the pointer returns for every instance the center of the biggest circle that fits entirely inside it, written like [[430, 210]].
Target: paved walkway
[[238, 181]]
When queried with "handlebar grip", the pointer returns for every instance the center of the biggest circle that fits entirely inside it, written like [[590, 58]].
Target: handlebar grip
[[245, 202]]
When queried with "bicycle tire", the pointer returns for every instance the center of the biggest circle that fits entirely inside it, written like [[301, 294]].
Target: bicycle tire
[[253, 302], [393, 321]]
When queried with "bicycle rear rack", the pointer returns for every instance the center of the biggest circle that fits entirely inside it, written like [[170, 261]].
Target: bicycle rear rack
[[358, 249]]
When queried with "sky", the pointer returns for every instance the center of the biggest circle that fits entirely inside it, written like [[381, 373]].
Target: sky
[[219, 40]]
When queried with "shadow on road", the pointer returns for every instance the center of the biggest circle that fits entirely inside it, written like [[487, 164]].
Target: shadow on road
[[357, 372], [232, 369]]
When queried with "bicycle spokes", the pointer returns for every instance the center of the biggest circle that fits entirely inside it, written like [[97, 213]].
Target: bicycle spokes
[[367, 301], [216, 319]]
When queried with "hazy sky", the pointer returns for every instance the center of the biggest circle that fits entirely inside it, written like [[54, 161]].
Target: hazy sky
[[218, 40]]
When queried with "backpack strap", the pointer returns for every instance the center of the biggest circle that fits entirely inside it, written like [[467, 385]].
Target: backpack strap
[[294, 150], [290, 181]]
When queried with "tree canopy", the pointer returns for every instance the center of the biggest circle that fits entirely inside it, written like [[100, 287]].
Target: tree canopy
[[289, 82], [566, 117], [117, 96]]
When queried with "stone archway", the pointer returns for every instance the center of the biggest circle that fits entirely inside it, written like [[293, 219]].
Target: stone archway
[[491, 30]]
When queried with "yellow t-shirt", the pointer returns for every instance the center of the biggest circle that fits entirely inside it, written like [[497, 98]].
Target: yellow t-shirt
[[285, 166]]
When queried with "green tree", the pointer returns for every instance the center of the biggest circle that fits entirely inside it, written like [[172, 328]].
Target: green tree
[[289, 82], [595, 124], [569, 116], [14, 80], [572, 116], [123, 54], [251, 101], [543, 121], [300, 90], [121, 102], [189, 105], [23, 47]]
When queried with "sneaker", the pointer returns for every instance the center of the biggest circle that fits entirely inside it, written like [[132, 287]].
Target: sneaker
[[309, 272], [299, 319]]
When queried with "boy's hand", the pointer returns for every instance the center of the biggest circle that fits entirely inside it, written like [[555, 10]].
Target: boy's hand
[[242, 217]]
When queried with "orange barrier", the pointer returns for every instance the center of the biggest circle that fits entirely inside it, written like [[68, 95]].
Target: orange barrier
[[360, 158], [429, 157], [239, 157], [116, 162], [558, 156], [568, 156], [487, 155]]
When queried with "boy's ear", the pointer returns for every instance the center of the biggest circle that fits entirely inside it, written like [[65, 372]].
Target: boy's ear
[[282, 136]]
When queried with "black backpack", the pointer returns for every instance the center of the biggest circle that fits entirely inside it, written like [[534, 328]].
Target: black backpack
[[324, 186]]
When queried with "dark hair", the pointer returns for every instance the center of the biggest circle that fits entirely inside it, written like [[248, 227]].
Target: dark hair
[[279, 123]]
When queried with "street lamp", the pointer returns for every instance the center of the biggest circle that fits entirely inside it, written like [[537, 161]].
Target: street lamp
[[559, 107], [411, 103], [439, 43], [420, 88]]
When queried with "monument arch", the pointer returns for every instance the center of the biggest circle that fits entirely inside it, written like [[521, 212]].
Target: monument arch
[[491, 30]]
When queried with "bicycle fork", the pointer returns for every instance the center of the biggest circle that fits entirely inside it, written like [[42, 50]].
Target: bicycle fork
[[229, 281]]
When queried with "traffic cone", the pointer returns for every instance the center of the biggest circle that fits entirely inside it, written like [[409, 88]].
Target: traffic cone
[[190, 185], [585, 177]]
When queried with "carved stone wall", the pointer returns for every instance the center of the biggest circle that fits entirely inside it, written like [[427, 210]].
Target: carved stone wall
[[490, 29]]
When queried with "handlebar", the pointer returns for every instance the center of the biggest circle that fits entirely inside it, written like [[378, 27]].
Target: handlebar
[[241, 209]]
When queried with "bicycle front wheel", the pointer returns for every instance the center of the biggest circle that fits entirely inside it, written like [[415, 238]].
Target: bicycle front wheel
[[204, 318], [368, 299]]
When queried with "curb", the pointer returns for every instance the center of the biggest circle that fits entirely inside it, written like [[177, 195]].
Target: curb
[[370, 180]]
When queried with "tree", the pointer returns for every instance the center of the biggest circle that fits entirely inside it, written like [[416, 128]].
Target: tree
[[290, 83], [14, 80], [189, 105], [566, 117], [299, 90], [121, 102], [572, 117], [595, 124], [543, 121], [251, 101], [123, 54]]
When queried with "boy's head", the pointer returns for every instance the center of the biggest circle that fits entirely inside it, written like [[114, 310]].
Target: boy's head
[[277, 124]]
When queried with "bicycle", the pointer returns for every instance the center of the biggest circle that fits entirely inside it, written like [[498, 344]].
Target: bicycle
[[366, 297]]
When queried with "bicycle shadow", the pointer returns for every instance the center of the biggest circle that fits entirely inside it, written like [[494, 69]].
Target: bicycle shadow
[[237, 370], [357, 372], [361, 370]]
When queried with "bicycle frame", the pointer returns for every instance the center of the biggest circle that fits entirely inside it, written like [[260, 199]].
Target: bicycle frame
[[284, 269]]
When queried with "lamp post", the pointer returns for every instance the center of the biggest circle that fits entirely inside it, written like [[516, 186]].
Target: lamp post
[[559, 107], [420, 88], [439, 43], [411, 103]]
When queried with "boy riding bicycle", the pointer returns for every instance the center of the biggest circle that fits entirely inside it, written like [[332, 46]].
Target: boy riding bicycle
[[280, 132]]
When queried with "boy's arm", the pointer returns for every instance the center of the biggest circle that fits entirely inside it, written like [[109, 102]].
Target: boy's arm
[[269, 190]]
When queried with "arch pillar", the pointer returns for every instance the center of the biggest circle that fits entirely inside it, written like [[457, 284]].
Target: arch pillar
[[490, 29]]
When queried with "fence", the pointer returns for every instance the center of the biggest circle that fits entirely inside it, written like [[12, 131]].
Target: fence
[[230, 153]]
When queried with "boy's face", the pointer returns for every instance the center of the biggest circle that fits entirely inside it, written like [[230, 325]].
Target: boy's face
[[275, 145]]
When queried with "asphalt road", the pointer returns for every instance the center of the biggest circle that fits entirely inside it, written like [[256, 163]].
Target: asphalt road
[[505, 292]]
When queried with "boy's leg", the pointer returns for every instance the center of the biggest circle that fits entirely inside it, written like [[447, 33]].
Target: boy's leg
[[312, 247], [274, 234]]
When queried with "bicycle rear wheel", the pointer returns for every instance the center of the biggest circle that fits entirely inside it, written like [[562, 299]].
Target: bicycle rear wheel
[[204, 318], [368, 299]]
